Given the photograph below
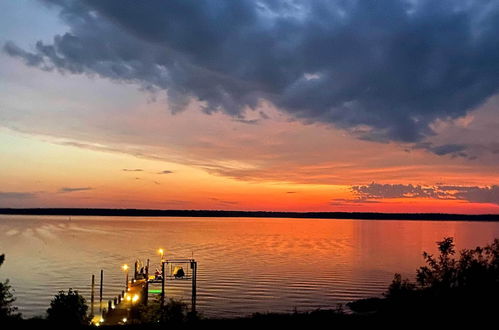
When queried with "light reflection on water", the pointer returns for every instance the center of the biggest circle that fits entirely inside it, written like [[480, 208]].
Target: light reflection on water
[[245, 265]]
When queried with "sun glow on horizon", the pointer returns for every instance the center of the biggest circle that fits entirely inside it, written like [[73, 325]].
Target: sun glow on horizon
[[72, 176]]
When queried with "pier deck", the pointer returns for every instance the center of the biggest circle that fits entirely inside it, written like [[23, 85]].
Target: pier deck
[[121, 309], [120, 314]]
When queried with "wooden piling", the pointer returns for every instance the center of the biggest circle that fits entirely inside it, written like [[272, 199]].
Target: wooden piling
[[126, 281], [92, 297], [146, 293], [194, 265], [163, 276], [101, 288]]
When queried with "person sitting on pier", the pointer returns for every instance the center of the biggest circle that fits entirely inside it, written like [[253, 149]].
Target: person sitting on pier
[[157, 275], [178, 272]]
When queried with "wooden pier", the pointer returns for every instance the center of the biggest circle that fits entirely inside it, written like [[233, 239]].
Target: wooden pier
[[120, 310]]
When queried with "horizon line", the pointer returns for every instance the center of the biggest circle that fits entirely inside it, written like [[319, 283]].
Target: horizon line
[[136, 212]]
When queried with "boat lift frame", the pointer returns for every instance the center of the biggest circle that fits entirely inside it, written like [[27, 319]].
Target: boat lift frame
[[167, 273], [167, 268]]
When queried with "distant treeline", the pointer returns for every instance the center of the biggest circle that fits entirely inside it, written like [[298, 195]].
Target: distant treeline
[[249, 214]]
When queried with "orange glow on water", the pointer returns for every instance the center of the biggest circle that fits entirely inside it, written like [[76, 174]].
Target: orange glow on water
[[312, 262]]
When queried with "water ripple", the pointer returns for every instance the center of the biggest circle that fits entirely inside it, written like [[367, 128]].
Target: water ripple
[[245, 265]]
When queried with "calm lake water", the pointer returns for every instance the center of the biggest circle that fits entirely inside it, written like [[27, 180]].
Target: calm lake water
[[245, 265]]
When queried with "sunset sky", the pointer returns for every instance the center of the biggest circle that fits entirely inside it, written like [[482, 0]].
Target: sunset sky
[[386, 106]]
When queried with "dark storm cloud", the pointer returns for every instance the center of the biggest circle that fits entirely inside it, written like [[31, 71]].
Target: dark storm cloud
[[383, 70], [74, 189], [452, 149], [449, 149], [472, 194]]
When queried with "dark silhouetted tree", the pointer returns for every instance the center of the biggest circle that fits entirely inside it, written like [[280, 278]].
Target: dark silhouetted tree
[[7, 310], [68, 308], [400, 288], [467, 284], [173, 312]]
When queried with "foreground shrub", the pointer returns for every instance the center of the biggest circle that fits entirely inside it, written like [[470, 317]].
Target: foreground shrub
[[173, 312], [7, 310], [446, 284], [69, 308]]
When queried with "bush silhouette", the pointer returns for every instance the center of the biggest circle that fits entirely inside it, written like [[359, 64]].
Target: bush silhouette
[[69, 308], [173, 312], [469, 283], [7, 310]]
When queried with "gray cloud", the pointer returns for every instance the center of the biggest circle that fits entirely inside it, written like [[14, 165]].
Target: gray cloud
[[132, 170], [351, 202], [221, 201], [383, 70], [74, 189], [480, 195], [165, 172], [16, 195], [452, 149], [472, 194], [377, 190], [449, 149]]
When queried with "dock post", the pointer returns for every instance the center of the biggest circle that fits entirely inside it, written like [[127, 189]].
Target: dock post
[[92, 297], [146, 293], [135, 272], [126, 282], [194, 278], [163, 283], [100, 291]]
